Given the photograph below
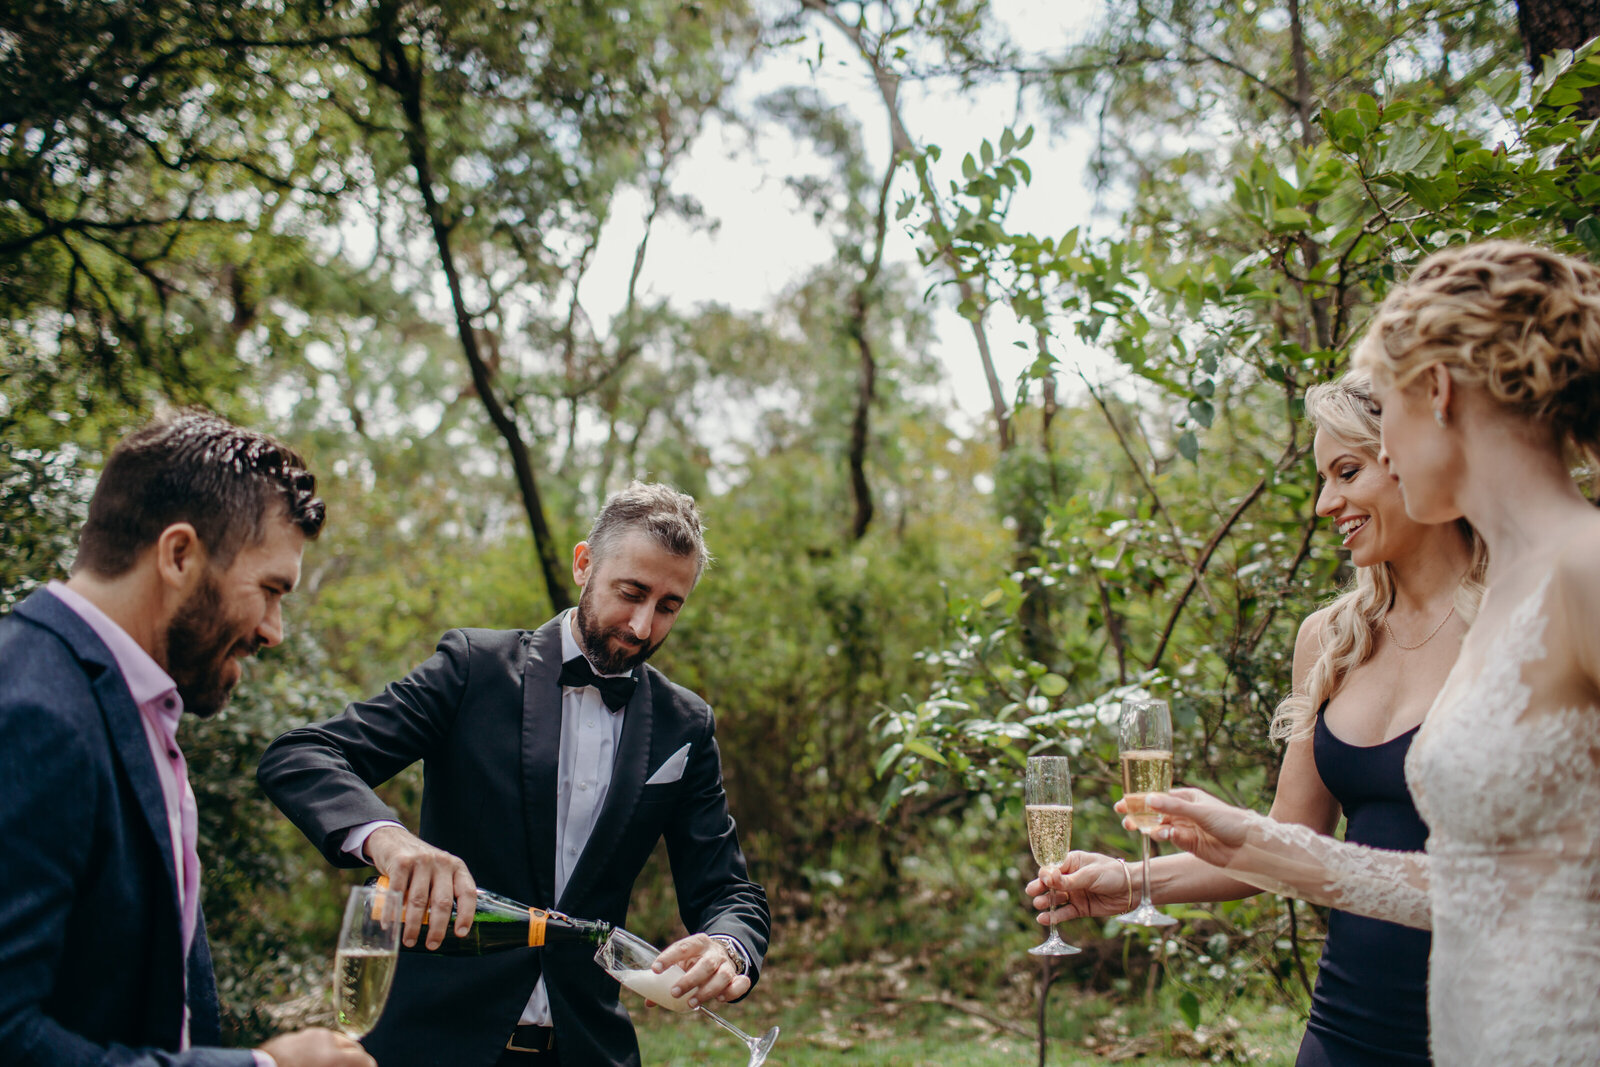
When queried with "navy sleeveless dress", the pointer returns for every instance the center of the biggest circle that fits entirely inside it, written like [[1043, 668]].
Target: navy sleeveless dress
[[1370, 1005]]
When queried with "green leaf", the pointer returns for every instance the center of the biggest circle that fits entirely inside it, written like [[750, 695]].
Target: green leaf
[[992, 597], [1188, 445], [1346, 130], [1588, 231], [1189, 1008], [969, 166], [886, 760], [1203, 412], [1290, 218], [927, 751], [1052, 684]]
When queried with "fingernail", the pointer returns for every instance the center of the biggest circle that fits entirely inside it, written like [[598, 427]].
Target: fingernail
[[677, 992]]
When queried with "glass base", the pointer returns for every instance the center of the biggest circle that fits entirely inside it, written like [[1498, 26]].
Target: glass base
[[1146, 914], [1054, 948], [762, 1046]]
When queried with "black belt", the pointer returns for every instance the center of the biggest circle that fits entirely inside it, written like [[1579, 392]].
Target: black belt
[[534, 1039]]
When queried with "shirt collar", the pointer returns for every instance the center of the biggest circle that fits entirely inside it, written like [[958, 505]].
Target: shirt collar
[[146, 680]]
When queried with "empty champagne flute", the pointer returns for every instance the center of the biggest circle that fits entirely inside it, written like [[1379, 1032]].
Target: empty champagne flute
[[1145, 733], [1047, 798], [364, 960], [628, 959]]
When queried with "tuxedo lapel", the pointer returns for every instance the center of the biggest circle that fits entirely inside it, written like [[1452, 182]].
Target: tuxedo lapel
[[541, 754], [121, 716], [627, 779]]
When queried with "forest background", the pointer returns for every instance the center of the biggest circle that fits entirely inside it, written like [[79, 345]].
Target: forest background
[[374, 228]]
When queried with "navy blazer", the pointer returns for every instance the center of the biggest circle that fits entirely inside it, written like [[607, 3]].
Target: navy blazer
[[91, 962], [484, 714]]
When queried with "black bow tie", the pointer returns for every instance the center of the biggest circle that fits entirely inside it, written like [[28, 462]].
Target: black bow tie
[[616, 692]]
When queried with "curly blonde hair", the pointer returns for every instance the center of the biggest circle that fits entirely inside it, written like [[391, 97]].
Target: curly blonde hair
[[1345, 409], [1520, 322]]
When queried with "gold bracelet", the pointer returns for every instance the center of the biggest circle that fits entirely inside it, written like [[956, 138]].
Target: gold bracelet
[[1128, 877]]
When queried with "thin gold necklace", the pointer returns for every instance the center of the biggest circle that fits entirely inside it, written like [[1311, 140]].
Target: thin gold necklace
[[1425, 640]]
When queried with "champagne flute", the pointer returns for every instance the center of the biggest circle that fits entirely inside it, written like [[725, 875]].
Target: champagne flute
[[628, 959], [1145, 732], [1047, 795], [364, 961]]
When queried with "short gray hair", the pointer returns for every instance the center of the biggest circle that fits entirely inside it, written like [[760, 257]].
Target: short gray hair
[[669, 518]]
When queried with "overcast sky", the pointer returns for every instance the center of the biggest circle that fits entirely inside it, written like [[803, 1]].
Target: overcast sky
[[765, 242]]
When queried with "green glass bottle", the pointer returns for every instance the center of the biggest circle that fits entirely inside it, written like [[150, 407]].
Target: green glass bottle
[[500, 923]]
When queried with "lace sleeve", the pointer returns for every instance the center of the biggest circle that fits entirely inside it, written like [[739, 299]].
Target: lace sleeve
[[1296, 861]]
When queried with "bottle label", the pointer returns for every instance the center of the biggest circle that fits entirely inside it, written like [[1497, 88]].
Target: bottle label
[[536, 919]]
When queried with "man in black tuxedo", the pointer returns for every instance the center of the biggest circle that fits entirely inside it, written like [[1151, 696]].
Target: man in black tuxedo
[[554, 760], [194, 537]]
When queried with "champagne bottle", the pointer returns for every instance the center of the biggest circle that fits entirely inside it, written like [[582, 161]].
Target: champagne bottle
[[500, 923]]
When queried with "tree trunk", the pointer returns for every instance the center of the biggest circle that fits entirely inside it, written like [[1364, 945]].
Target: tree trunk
[[1551, 24], [888, 88], [405, 80], [860, 424]]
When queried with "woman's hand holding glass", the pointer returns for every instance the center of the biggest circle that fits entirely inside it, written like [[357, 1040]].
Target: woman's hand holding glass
[[1088, 886], [1198, 823]]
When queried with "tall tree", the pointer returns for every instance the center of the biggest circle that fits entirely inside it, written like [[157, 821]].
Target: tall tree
[[1549, 25]]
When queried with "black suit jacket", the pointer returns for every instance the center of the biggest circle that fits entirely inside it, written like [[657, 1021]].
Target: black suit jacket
[[91, 962], [484, 714]]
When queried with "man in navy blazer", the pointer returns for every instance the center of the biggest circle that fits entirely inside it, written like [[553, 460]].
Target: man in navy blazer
[[194, 536], [554, 760]]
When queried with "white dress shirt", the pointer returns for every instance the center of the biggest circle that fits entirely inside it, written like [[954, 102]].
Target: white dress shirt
[[589, 735]]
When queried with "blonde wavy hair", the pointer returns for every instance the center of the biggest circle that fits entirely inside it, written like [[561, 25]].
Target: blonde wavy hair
[[1520, 322], [1344, 409]]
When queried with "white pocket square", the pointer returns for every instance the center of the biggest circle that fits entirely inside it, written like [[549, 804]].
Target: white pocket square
[[671, 770]]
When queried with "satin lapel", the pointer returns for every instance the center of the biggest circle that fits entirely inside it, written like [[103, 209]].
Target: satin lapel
[[627, 780], [121, 716], [541, 753]]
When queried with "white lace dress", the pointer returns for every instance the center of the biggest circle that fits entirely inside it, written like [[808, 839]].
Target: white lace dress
[[1506, 773]]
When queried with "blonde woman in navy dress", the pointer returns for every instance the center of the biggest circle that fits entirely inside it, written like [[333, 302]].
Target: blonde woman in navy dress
[[1366, 668]]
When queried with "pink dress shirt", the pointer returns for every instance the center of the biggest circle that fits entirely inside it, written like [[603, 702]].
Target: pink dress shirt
[[160, 708]]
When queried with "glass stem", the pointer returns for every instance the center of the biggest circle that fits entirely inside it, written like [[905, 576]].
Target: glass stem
[[1055, 927], [749, 1041], [1144, 869]]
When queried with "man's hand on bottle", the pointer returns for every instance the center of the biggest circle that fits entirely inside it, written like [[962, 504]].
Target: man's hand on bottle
[[317, 1048], [709, 972], [429, 880]]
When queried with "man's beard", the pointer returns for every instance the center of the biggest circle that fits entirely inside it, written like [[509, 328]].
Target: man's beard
[[199, 645], [597, 641]]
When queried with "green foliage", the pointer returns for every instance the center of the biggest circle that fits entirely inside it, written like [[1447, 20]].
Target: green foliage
[[1186, 572], [203, 202]]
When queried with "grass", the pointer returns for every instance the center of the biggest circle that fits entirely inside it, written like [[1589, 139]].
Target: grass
[[938, 975], [882, 1013]]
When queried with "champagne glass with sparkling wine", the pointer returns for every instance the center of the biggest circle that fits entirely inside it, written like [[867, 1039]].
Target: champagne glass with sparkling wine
[[1146, 738], [1047, 796], [628, 959], [363, 968]]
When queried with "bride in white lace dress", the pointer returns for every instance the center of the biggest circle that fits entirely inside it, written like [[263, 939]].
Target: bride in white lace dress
[[1488, 370]]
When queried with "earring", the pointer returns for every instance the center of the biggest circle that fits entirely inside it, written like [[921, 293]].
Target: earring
[[1438, 417]]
